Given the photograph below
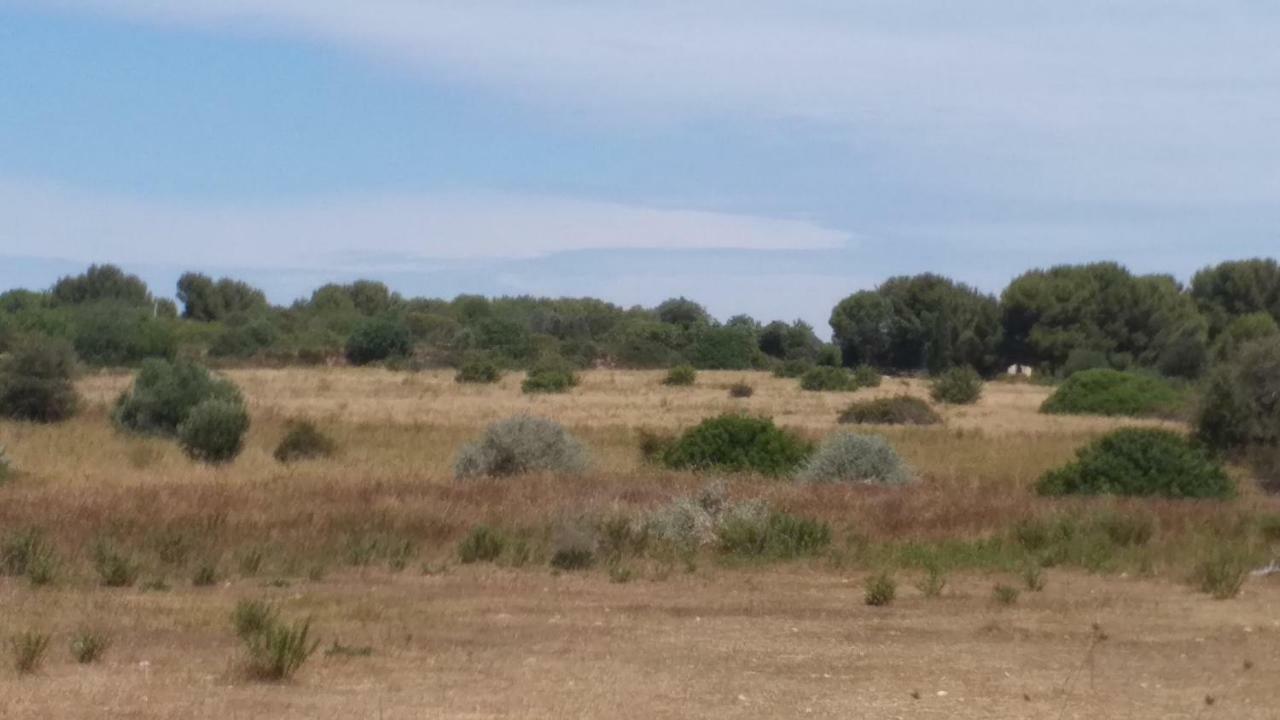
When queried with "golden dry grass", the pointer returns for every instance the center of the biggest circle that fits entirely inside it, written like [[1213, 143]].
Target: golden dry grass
[[757, 641]]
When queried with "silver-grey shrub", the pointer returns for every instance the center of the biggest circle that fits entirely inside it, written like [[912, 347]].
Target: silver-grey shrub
[[519, 445], [850, 458]]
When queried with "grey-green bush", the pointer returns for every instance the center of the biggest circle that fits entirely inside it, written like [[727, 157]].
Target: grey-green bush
[[164, 393], [848, 458], [36, 381], [519, 445], [827, 379], [1240, 408], [214, 431]]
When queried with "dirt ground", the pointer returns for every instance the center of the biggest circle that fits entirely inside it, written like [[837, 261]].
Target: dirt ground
[[757, 643]]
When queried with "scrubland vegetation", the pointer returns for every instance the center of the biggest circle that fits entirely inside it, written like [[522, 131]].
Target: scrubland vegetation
[[462, 496]]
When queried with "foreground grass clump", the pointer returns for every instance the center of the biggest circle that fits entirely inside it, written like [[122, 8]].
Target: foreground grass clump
[[478, 370], [1222, 573], [881, 589], [1140, 462], [680, 376], [214, 431], [274, 650], [519, 445], [88, 646], [957, 386], [28, 650], [736, 443], [304, 441], [848, 458], [741, 390], [164, 393], [36, 381], [899, 410], [1111, 392], [549, 378]]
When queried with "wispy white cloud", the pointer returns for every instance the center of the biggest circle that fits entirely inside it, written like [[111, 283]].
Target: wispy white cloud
[[345, 233]]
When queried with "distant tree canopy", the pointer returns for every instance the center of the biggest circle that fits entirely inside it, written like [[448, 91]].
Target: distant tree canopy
[[924, 322], [1062, 319], [1144, 320]]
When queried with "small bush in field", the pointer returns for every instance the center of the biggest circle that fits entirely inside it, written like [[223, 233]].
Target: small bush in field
[[741, 390], [549, 378], [1111, 392], [1033, 577], [881, 589], [519, 445], [304, 441], [1222, 573], [933, 582], [680, 376], [482, 544], [751, 530], [164, 393], [88, 646], [1005, 594], [827, 379], [1140, 462], [737, 443], [278, 651], [847, 458], [899, 410], [479, 370], [213, 432], [573, 549], [957, 386], [28, 650], [36, 381], [865, 376], [114, 568]]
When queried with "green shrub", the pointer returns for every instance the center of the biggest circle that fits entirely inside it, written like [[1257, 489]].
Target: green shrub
[[277, 651], [865, 376], [681, 375], [549, 377], [1004, 594], [482, 544], [1222, 573], [899, 410], [377, 339], [519, 445], [28, 650], [933, 582], [881, 589], [1240, 408], [164, 393], [252, 617], [88, 646], [847, 458], [304, 441], [205, 575], [824, 378], [1082, 359], [957, 386], [114, 567], [752, 531], [213, 432], [741, 390], [1111, 392], [1243, 331], [792, 368], [479, 370], [20, 551], [1140, 462], [36, 381], [737, 443]]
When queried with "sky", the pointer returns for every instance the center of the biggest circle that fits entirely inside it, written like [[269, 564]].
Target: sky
[[760, 157]]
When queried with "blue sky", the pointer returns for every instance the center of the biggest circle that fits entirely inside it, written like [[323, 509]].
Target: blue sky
[[762, 157]]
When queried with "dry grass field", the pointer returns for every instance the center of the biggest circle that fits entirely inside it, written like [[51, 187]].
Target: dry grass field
[[366, 545]]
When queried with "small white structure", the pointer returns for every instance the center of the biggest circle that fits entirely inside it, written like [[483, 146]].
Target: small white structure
[[1020, 370]]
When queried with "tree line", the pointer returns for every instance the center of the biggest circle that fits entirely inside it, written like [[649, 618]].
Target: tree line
[[1056, 320]]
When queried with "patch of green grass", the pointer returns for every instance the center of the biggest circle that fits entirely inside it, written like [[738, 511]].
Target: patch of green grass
[[482, 544]]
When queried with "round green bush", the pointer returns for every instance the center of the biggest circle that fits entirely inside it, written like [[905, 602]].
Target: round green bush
[[957, 386], [519, 445], [1240, 407], [214, 430], [681, 375], [1111, 392], [377, 339], [737, 443], [164, 393], [830, 379], [1140, 462], [304, 441], [847, 458], [898, 410], [36, 381], [479, 370], [554, 378], [865, 376], [792, 368]]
